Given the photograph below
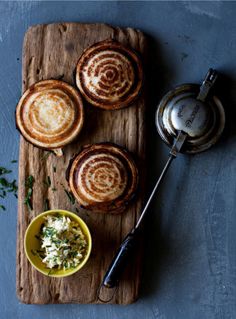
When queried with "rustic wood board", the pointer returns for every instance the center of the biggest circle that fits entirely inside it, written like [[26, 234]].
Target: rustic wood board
[[51, 51]]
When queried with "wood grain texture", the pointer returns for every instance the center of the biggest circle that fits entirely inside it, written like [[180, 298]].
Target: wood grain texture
[[51, 51]]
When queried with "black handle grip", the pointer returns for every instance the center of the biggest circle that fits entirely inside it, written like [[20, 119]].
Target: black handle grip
[[118, 263]]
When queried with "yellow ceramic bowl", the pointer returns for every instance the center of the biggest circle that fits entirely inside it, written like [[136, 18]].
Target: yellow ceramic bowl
[[31, 243]]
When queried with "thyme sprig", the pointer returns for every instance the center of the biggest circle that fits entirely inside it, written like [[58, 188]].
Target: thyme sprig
[[70, 196], [6, 186], [46, 204], [29, 182], [47, 181]]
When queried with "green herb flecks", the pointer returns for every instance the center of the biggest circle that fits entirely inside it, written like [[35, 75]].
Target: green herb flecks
[[73, 254], [46, 204], [29, 182], [50, 272], [14, 161], [3, 171], [5, 185], [49, 231], [70, 196], [47, 181], [3, 182]]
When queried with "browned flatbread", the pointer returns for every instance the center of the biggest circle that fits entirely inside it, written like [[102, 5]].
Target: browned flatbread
[[50, 114], [109, 75], [103, 178]]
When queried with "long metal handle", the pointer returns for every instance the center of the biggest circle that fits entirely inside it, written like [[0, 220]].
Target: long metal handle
[[173, 153], [119, 261], [207, 84], [163, 173]]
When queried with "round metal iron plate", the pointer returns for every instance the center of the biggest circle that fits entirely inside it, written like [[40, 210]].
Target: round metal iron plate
[[179, 110]]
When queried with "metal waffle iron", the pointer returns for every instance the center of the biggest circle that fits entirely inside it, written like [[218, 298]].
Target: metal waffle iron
[[189, 119]]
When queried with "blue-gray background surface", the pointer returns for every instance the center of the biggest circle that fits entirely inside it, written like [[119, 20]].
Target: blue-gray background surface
[[190, 258]]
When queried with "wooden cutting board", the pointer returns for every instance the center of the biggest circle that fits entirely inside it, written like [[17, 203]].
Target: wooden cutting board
[[51, 51]]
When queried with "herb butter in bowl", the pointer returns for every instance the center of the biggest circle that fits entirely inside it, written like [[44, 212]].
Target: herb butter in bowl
[[57, 243]]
